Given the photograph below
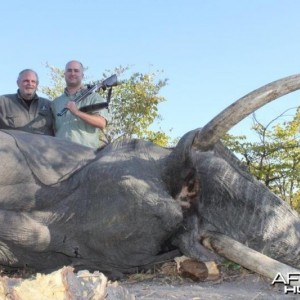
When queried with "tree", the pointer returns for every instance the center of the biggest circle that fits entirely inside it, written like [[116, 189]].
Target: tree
[[275, 158], [133, 105], [57, 81]]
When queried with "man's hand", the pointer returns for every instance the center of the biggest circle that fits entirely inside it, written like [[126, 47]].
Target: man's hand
[[72, 107]]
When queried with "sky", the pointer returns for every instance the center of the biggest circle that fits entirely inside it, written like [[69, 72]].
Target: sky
[[212, 52]]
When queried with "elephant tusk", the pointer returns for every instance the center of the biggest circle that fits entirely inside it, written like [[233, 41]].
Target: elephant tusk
[[247, 257], [206, 137]]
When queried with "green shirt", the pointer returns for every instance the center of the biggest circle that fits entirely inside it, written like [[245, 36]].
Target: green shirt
[[16, 114], [73, 128]]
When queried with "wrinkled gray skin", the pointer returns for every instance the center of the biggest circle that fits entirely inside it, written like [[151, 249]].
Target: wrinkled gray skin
[[134, 204]]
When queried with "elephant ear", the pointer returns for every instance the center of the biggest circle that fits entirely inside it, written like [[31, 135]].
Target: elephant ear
[[51, 159]]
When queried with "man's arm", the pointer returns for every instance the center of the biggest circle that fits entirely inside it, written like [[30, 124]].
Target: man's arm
[[93, 120]]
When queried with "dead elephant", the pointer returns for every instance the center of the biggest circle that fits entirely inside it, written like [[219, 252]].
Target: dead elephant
[[134, 204]]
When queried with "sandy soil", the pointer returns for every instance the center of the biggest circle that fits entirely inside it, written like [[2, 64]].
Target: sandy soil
[[237, 283]]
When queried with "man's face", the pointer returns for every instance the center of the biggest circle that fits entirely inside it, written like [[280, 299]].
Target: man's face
[[27, 84], [73, 74]]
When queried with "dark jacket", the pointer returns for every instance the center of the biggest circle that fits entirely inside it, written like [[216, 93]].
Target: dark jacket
[[15, 114]]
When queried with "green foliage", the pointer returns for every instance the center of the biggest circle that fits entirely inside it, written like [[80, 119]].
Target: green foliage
[[296, 201], [230, 265], [275, 158], [133, 105], [158, 137]]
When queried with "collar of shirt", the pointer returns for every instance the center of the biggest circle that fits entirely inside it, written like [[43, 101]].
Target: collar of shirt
[[35, 97], [79, 91]]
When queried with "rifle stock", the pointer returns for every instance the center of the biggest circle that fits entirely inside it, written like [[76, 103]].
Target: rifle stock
[[93, 107]]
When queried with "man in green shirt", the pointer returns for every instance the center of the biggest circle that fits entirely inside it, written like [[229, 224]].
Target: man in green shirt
[[75, 125], [25, 110]]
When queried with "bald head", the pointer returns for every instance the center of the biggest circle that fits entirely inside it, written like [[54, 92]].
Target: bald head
[[74, 74], [74, 62]]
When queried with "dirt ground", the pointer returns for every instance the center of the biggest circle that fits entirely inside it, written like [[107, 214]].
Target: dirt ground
[[240, 284], [233, 283]]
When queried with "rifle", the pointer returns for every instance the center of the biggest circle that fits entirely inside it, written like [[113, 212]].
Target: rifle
[[107, 83]]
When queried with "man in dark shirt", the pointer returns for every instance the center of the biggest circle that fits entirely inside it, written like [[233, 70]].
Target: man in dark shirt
[[25, 110]]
